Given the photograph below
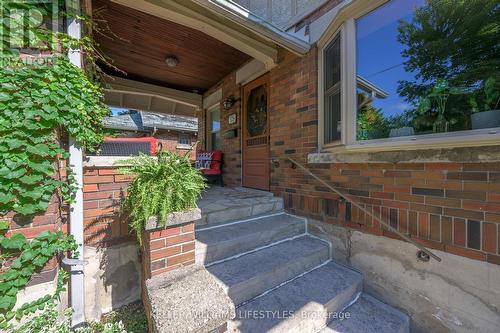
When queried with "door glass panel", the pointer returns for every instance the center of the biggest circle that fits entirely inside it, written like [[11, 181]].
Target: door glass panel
[[257, 112]]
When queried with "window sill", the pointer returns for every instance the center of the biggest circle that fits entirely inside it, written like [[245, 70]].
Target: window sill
[[429, 148], [183, 147]]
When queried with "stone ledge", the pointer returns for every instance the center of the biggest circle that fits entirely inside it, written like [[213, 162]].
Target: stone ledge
[[174, 219], [188, 299]]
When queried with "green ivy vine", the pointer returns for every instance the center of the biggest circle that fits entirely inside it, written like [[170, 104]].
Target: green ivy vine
[[25, 258], [42, 103]]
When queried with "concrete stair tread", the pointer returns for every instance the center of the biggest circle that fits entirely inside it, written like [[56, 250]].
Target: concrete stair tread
[[311, 298], [369, 315], [260, 224], [214, 244], [230, 204], [251, 274]]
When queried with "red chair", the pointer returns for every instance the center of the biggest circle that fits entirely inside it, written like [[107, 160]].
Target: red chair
[[210, 165]]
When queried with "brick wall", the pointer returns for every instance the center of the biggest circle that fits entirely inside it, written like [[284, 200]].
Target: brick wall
[[453, 207], [103, 191], [170, 142], [167, 249], [230, 147]]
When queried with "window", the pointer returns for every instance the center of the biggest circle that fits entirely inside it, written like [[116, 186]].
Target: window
[[214, 129], [422, 70], [332, 105], [184, 139]]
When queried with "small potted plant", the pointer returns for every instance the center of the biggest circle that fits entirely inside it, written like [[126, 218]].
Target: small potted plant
[[165, 185], [489, 115]]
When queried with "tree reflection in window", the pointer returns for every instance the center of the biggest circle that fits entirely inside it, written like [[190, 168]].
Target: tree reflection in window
[[437, 62]]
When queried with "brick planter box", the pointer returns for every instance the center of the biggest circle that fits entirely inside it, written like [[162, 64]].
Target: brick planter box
[[167, 248]]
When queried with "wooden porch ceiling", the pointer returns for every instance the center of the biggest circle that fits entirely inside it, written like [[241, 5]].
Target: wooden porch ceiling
[[143, 41]]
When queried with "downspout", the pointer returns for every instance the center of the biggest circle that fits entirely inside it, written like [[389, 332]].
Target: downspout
[[77, 294]]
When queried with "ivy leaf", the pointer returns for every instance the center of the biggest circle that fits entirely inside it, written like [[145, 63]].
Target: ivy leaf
[[16, 264], [28, 255], [39, 261], [6, 198], [27, 209], [16, 242], [4, 97], [31, 179], [7, 302], [4, 225], [39, 149]]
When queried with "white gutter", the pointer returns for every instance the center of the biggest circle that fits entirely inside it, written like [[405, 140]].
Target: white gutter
[[243, 17], [77, 300]]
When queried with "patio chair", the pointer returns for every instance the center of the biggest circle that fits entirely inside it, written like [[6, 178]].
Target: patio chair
[[210, 165]]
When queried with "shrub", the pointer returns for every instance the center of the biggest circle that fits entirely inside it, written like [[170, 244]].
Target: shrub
[[162, 185]]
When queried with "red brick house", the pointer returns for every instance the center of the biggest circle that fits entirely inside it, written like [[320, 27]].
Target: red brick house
[[351, 114]]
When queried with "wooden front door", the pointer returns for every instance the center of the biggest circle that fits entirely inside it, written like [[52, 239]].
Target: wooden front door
[[255, 123]]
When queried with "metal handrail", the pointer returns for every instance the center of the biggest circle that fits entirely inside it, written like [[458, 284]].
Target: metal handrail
[[346, 197]]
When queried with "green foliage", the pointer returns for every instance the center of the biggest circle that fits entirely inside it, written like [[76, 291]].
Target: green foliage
[[454, 40], [371, 123], [27, 257], [38, 103], [132, 316], [162, 185], [434, 106], [491, 96], [48, 321]]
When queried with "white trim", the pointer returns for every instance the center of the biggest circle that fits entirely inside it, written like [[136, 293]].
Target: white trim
[[250, 71], [124, 86], [212, 99], [77, 283]]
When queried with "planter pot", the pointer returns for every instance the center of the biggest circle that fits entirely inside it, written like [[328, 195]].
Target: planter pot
[[174, 219], [485, 119], [402, 131]]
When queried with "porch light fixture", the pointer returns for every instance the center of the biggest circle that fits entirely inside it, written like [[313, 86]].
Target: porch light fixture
[[229, 103], [172, 61]]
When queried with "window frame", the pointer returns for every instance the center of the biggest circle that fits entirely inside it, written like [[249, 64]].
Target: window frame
[[184, 136], [344, 25], [210, 110]]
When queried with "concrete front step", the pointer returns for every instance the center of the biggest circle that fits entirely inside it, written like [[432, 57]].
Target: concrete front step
[[217, 243], [369, 315], [223, 205], [303, 305], [250, 275]]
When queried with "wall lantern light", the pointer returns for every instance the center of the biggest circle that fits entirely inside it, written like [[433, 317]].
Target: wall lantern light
[[228, 103]]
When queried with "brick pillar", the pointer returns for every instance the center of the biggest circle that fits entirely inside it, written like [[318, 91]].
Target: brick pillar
[[165, 249]]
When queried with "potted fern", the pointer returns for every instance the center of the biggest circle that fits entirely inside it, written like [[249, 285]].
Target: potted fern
[[164, 191], [489, 115]]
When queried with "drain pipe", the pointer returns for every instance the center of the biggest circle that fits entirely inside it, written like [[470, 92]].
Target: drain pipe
[[77, 294]]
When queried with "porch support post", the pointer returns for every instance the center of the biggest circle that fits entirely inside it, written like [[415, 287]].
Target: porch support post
[[76, 208]]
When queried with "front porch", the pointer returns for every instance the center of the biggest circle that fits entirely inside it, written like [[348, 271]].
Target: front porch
[[258, 269]]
